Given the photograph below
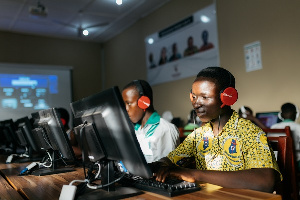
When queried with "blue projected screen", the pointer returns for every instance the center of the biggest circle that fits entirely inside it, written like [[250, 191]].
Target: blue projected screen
[[28, 88], [27, 91]]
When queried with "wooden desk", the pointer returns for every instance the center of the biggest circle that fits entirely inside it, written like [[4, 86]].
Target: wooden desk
[[7, 192], [49, 187], [211, 192]]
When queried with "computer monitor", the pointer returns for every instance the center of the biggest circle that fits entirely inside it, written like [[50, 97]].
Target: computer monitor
[[268, 118], [51, 133], [107, 135], [26, 139], [8, 135]]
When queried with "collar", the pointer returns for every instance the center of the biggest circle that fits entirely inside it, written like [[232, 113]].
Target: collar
[[153, 119], [233, 120], [287, 120]]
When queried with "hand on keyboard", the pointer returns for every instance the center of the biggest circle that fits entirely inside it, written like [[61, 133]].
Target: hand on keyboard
[[171, 186]]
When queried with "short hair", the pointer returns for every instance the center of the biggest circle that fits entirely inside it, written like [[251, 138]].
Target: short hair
[[222, 76], [144, 89], [288, 107]]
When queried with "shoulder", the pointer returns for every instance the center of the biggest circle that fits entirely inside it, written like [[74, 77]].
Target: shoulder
[[248, 128], [168, 125]]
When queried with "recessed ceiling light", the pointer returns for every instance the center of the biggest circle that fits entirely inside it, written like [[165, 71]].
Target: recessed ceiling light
[[85, 32], [119, 2]]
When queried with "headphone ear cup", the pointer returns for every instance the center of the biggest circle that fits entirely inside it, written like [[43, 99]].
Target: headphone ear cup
[[144, 102], [228, 96], [63, 121], [280, 117]]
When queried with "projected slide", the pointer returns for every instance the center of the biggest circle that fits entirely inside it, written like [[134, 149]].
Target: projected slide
[[19, 91]]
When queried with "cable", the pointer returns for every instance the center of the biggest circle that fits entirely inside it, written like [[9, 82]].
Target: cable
[[105, 185], [82, 147]]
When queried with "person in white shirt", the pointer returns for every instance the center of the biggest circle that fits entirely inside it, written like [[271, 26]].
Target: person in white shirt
[[288, 114], [157, 137]]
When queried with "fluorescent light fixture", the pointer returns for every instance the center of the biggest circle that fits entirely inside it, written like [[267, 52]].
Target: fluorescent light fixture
[[150, 40], [119, 2], [204, 19], [85, 32]]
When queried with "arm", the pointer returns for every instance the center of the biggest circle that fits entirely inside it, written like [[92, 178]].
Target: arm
[[262, 179]]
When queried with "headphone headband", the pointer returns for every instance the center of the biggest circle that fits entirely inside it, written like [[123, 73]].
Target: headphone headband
[[139, 87]]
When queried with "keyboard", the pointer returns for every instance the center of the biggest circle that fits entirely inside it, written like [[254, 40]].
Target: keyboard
[[170, 188]]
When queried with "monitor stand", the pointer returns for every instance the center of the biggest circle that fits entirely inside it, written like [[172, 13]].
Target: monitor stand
[[114, 191], [54, 169], [119, 193]]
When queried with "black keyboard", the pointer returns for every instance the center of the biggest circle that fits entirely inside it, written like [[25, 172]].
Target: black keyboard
[[171, 187]]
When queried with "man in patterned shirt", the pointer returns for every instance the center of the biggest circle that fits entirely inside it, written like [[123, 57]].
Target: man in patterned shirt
[[229, 151]]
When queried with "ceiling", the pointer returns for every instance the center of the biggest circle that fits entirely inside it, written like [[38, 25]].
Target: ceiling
[[104, 18]]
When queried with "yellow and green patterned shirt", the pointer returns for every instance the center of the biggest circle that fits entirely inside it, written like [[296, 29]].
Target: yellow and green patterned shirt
[[240, 145]]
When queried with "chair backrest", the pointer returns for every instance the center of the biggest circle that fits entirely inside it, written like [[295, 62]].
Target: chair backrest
[[278, 132], [288, 188]]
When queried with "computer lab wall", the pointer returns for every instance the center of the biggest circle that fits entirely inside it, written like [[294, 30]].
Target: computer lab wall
[[84, 57], [275, 23]]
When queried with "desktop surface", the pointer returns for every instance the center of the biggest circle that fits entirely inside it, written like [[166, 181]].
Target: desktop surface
[[49, 187]]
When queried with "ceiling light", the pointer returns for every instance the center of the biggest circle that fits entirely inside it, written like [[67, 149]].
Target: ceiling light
[[119, 2], [85, 32]]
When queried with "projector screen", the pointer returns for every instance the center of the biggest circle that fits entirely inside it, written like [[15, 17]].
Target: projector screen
[[26, 88]]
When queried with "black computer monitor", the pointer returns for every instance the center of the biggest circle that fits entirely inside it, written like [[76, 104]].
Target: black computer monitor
[[268, 118], [53, 138], [107, 134], [26, 139], [8, 136]]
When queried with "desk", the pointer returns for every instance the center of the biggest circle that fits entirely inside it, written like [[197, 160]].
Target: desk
[[49, 187]]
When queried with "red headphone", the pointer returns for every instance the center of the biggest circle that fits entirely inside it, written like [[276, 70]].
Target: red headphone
[[63, 121], [228, 96], [143, 101]]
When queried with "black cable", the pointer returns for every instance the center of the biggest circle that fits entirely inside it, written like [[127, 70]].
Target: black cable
[[82, 147]]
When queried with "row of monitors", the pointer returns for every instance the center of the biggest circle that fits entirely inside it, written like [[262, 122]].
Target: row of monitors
[[43, 132], [102, 127]]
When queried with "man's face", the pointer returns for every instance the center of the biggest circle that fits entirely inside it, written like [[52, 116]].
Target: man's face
[[206, 99], [130, 97]]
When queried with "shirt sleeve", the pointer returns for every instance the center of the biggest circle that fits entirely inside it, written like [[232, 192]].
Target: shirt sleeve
[[182, 155], [259, 154]]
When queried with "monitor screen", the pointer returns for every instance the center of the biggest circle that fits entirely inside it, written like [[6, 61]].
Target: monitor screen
[[109, 128], [268, 118]]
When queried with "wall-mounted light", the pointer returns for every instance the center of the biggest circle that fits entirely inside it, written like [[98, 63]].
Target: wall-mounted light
[[119, 2], [204, 19], [150, 41]]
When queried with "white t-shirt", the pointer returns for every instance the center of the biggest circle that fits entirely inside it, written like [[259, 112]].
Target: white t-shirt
[[295, 129], [157, 138]]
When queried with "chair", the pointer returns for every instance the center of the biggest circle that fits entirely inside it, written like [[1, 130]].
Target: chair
[[278, 132], [288, 188]]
